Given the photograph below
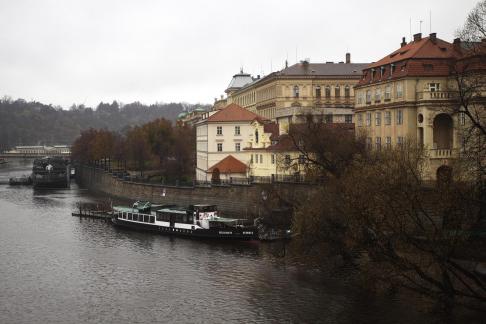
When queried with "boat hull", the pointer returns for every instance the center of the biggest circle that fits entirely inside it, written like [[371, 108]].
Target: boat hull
[[240, 234]]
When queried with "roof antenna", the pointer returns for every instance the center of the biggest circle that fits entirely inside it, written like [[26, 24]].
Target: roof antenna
[[410, 26], [420, 26], [430, 22]]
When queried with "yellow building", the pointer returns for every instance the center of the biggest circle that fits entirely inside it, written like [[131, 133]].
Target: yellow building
[[409, 95], [287, 96]]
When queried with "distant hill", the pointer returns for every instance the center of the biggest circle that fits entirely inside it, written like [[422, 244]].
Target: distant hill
[[34, 123]]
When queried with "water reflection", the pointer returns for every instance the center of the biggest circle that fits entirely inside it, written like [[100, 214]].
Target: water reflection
[[59, 268]]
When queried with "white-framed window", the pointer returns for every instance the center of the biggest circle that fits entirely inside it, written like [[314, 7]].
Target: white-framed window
[[462, 118], [388, 92], [368, 96], [287, 159], [433, 87], [256, 158], [368, 143], [388, 142], [220, 147], [237, 130], [219, 130], [360, 120], [360, 97], [368, 119], [296, 91], [348, 119], [378, 143], [377, 94], [237, 147], [399, 90], [399, 117], [377, 118], [387, 117], [400, 141]]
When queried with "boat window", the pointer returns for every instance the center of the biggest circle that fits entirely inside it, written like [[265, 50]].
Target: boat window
[[152, 219], [129, 216], [146, 218], [135, 217]]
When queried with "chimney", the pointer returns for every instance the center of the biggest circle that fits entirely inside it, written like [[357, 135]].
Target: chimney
[[417, 37], [433, 37], [404, 42], [348, 58]]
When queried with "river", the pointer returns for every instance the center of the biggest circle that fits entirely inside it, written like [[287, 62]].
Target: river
[[56, 268]]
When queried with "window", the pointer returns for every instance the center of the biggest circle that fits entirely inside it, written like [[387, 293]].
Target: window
[[392, 69], [387, 117], [433, 87], [347, 92], [368, 96], [348, 119], [387, 93], [261, 158], [220, 147], [219, 130], [256, 136], [377, 95], [378, 143], [360, 97], [360, 120], [256, 158], [368, 143], [382, 71], [328, 118], [328, 92], [301, 159], [462, 118], [237, 130], [399, 90], [368, 119], [400, 141], [377, 118], [388, 142], [237, 147], [296, 91], [337, 91], [251, 158], [318, 91], [399, 117], [287, 159], [273, 158], [372, 74]]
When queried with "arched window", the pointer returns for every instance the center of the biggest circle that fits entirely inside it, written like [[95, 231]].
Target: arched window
[[328, 92], [346, 92], [296, 91], [318, 91], [256, 136]]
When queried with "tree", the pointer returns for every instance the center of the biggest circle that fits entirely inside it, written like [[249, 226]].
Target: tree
[[474, 28]]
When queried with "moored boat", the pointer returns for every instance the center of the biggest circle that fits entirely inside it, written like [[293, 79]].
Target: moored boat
[[50, 172], [198, 221]]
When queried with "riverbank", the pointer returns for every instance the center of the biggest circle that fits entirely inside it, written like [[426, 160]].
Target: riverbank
[[246, 201]]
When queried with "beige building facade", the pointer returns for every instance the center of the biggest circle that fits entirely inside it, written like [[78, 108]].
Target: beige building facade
[[409, 95]]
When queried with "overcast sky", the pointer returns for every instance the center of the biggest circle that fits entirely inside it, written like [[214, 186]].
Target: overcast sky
[[64, 52]]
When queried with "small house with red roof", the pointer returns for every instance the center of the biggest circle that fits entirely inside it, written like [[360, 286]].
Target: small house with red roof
[[221, 137]]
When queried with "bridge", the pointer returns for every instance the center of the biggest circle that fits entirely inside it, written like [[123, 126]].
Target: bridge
[[28, 152]]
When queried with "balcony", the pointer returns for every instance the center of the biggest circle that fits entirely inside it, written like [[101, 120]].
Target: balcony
[[441, 153], [436, 95]]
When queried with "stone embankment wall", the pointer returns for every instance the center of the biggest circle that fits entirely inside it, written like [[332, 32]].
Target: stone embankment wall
[[236, 200]]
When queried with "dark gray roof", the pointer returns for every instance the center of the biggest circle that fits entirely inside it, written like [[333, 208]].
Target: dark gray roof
[[323, 69], [239, 80]]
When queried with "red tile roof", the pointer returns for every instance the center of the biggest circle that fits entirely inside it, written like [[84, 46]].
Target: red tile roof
[[229, 164], [233, 113], [425, 57], [271, 128]]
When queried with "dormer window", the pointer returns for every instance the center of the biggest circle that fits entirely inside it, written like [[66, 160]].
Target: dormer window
[[392, 69], [372, 74], [382, 71]]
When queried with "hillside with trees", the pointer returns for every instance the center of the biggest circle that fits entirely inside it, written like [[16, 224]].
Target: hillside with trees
[[35, 123]]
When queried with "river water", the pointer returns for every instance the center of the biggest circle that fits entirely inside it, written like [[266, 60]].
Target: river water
[[55, 268]]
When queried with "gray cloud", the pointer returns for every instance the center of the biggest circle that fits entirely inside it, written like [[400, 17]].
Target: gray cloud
[[65, 52]]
